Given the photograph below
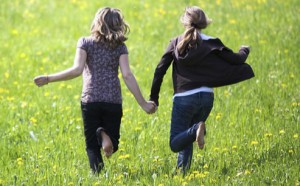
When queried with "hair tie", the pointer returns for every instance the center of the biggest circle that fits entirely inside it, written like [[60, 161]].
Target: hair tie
[[194, 25]]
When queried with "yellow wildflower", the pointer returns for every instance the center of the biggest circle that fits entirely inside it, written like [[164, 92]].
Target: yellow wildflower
[[33, 120], [254, 142], [268, 135], [2, 182], [247, 172]]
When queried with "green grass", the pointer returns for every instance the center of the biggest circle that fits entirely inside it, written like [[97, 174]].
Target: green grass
[[253, 130]]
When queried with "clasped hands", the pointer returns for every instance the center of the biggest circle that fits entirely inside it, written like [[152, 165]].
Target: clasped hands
[[150, 107]]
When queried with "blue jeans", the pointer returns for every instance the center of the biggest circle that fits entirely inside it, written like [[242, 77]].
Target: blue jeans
[[187, 112]]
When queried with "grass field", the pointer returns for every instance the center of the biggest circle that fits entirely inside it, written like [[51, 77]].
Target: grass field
[[253, 130]]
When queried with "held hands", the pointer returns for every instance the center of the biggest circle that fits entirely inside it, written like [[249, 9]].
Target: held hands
[[41, 80], [149, 107]]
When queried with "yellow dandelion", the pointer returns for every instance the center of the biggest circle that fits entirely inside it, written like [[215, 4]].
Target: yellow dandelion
[[291, 151], [22, 55], [162, 11], [234, 147], [126, 156], [205, 166], [14, 32], [6, 75], [200, 175], [3, 91], [33, 120], [281, 132], [232, 21], [218, 116], [268, 135], [216, 149], [218, 2], [254, 142], [2, 182], [137, 129], [257, 110], [46, 94], [20, 161], [295, 136], [196, 172], [190, 177], [247, 172], [226, 93]]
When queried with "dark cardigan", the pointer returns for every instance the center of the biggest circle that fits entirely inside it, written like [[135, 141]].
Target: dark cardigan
[[210, 64]]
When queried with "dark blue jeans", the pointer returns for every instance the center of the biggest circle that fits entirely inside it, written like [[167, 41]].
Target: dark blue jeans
[[187, 112], [105, 115]]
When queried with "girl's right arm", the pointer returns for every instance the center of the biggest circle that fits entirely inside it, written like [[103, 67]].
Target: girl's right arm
[[70, 73], [235, 58]]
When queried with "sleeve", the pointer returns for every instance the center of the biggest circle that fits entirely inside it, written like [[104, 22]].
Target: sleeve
[[234, 58], [160, 71], [123, 49], [82, 43]]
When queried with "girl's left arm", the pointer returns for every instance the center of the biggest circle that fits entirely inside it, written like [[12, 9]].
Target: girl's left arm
[[70, 73]]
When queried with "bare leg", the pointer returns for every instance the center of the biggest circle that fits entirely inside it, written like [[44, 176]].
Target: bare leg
[[200, 135]]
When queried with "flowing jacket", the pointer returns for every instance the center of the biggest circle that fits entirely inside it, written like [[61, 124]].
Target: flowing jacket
[[210, 64]]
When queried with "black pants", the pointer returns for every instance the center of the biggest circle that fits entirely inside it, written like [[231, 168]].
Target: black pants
[[105, 115]]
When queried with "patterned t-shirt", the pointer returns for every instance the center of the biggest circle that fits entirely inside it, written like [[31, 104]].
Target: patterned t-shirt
[[100, 75]]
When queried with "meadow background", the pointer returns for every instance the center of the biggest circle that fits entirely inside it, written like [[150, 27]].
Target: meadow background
[[253, 130]]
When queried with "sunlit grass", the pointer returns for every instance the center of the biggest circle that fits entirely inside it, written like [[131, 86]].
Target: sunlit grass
[[253, 130]]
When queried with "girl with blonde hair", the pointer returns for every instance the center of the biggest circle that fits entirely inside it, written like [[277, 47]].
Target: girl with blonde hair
[[98, 58], [200, 63]]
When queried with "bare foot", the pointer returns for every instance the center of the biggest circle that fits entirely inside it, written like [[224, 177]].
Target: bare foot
[[107, 145], [200, 135]]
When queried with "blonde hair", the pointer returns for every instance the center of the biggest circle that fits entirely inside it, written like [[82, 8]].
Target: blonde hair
[[109, 27], [194, 20]]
